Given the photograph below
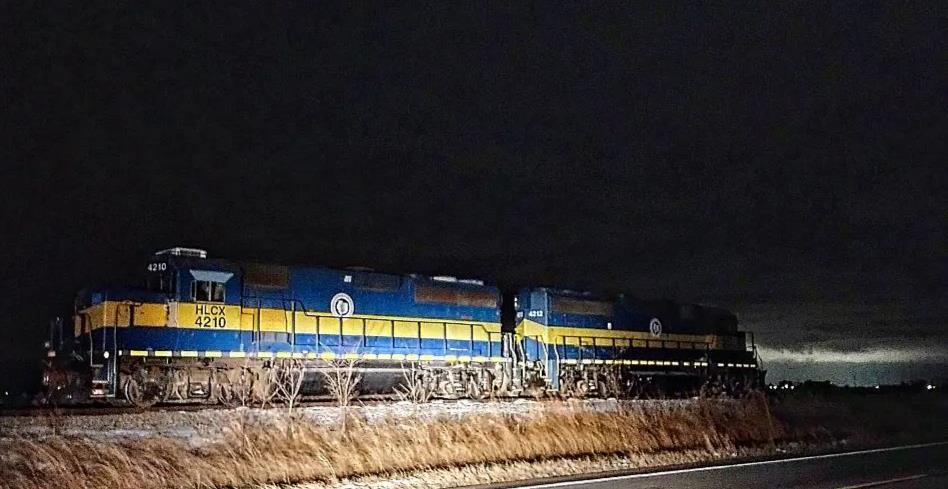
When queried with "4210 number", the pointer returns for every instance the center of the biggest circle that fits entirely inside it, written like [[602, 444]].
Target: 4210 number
[[211, 322]]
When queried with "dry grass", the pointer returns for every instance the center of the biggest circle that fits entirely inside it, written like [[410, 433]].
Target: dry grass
[[476, 474], [298, 451]]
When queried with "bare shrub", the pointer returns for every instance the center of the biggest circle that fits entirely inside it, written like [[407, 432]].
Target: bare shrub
[[414, 387], [267, 390], [287, 382], [342, 380]]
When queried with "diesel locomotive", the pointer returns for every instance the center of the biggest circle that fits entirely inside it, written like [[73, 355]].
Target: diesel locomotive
[[212, 330]]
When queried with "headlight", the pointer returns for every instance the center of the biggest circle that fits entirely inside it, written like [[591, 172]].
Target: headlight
[[105, 354]]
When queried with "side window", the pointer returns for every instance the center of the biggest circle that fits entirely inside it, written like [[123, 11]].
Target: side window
[[455, 296], [217, 292], [376, 282], [204, 291]]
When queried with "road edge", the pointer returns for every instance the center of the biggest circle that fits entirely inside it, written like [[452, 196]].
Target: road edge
[[565, 480]]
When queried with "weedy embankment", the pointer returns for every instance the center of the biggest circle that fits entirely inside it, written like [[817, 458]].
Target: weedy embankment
[[296, 451]]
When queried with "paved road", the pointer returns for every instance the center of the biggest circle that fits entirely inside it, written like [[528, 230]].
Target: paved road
[[910, 467]]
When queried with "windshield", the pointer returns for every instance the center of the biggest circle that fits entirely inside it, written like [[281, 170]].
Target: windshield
[[160, 282]]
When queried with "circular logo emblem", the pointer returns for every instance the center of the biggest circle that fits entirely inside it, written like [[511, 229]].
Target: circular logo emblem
[[341, 305], [655, 327]]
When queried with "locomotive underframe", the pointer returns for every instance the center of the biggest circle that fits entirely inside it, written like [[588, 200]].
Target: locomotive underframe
[[146, 380], [143, 381]]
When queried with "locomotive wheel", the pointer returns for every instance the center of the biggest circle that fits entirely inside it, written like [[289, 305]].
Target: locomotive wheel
[[474, 390], [536, 391], [243, 387], [448, 389], [603, 389], [566, 386], [140, 392], [479, 385], [580, 388], [223, 390]]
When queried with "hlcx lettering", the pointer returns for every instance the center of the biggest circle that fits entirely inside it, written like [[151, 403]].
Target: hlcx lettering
[[209, 316]]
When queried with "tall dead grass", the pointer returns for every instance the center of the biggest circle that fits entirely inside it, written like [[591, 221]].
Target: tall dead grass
[[296, 451], [300, 451]]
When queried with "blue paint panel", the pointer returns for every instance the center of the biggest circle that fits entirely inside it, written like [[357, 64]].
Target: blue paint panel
[[533, 349], [314, 288], [535, 304], [91, 297]]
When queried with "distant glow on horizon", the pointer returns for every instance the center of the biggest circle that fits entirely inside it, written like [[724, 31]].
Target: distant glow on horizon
[[873, 355]]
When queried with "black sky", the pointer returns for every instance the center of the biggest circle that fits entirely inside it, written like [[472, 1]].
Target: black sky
[[787, 161]]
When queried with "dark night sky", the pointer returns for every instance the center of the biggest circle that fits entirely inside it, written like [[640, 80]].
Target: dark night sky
[[786, 161]]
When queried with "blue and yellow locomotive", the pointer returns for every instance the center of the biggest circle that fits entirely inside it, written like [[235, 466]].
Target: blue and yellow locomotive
[[210, 330], [622, 346]]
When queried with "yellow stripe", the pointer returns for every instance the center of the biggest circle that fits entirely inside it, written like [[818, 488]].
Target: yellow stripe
[[163, 353], [186, 314], [138, 353], [116, 313], [327, 355], [237, 354], [213, 354], [555, 334]]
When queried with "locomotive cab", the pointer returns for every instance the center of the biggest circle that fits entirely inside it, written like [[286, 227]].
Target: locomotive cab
[[112, 322]]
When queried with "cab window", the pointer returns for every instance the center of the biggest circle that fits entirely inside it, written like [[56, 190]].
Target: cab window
[[204, 291], [160, 282]]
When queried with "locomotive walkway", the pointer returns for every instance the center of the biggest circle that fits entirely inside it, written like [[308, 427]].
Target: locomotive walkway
[[923, 466]]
